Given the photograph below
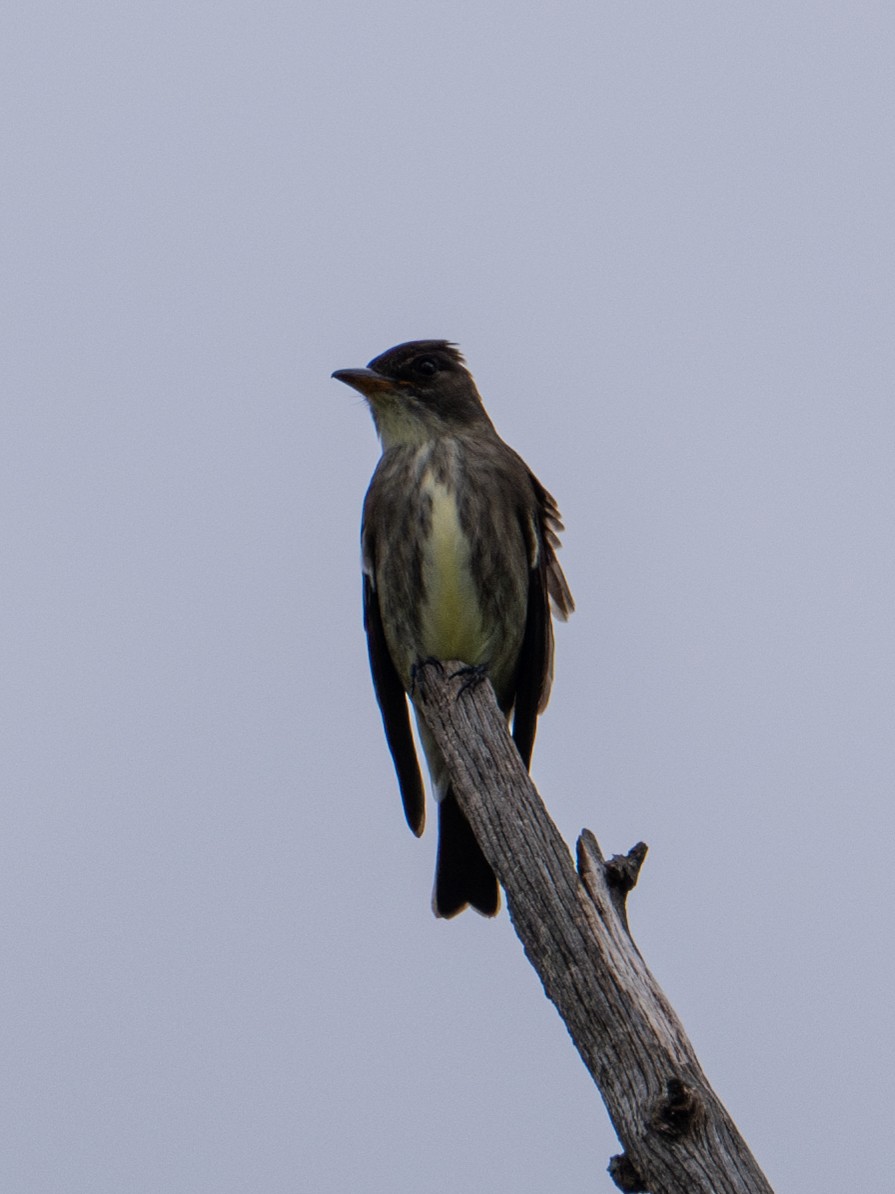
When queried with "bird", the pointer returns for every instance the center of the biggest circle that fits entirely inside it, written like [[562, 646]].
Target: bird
[[458, 546]]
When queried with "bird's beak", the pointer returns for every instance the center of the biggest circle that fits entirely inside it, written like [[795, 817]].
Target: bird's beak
[[364, 380]]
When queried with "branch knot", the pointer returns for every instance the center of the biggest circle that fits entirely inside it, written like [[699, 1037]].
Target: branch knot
[[623, 870], [676, 1112], [625, 1175]]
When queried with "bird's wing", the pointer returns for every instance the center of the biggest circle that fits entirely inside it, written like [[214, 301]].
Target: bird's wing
[[393, 707], [535, 665], [551, 525], [547, 587]]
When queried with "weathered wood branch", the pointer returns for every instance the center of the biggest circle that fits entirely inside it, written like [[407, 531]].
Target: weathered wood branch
[[677, 1136]]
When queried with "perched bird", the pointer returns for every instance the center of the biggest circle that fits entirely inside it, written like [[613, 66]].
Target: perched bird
[[458, 544]]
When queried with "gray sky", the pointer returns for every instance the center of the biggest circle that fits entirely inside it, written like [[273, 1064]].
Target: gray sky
[[664, 241]]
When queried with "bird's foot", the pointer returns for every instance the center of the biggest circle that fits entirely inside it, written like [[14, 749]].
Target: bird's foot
[[473, 673], [421, 665]]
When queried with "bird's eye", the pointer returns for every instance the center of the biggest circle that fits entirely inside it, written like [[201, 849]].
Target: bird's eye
[[425, 366]]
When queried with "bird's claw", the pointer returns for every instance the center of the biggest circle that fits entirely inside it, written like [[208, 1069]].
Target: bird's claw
[[421, 665], [474, 674]]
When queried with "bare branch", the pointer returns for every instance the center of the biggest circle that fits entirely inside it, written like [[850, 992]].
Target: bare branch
[[678, 1137]]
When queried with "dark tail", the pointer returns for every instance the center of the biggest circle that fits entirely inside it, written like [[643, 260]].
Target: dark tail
[[462, 875]]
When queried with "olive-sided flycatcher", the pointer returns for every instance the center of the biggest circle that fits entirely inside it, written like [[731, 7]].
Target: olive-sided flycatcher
[[458, 546]]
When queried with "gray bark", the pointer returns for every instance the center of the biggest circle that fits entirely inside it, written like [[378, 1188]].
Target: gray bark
[[677, 1136]]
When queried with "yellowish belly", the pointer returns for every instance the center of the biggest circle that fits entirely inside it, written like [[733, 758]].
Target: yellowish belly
[[452, 621]]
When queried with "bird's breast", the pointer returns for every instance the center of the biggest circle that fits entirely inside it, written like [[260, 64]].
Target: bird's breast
[[451, 622]]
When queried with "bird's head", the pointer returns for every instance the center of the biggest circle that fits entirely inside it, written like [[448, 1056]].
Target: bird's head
[[418, 391]]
